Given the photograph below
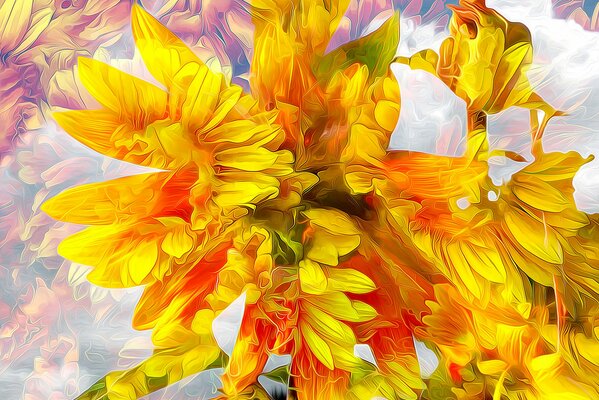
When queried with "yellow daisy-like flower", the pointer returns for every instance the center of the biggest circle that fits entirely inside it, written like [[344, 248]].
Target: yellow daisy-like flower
[[218, 152], [493, 349], [485, 61], [211, 140]]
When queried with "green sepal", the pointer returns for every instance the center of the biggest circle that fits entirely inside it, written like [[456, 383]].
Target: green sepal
[[376, 50]]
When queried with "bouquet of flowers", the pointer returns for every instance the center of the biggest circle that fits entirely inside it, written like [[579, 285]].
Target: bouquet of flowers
[[287, 196]]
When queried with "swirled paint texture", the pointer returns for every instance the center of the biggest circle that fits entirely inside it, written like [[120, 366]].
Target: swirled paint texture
[[224, 178]]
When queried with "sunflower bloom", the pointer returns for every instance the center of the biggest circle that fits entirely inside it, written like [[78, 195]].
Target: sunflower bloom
[[197, 196]]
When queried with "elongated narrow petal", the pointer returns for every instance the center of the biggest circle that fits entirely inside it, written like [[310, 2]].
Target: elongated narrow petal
[[121, 199], [154, 145], [163, 52], [125, 256], [140, 101]]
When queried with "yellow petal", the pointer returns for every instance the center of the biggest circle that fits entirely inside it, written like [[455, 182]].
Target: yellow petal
[[119, 200], [425, 60], [312, 277], [485, 260], [570, 219], [535, 237], [332, 220], [138, 101], [327, 326], [386, 114], [164, 53], [202, 322], [587, 347], [242, 131], [326, 248], [463, 268], [364, 311], [177, 241], [202, 98], [228, 99], [492, 367], [541, 273], [123, 256], [339, 306], [349, 280], [93, 128], [103, 132], [366, 143], [256, 159], [540, 195], [245, 188], [546, 366], [317, 345], [344, 357], [118, 260], [514, 87]]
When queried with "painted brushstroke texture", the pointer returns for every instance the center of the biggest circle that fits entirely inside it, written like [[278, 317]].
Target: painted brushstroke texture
[[460, 264], [584, 13]]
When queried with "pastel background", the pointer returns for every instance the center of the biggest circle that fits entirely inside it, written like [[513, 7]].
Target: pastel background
[[58, 333]]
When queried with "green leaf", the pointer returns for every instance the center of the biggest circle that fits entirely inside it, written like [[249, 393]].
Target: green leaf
[[280, 374], [136, 377], [376, 51]]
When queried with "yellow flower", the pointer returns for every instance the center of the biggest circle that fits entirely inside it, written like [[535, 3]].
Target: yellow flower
[[219, 157], [485, 61], [479, 235], [493, 349], [203, 128]]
